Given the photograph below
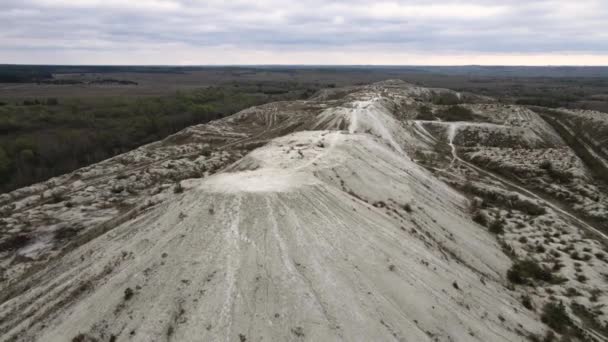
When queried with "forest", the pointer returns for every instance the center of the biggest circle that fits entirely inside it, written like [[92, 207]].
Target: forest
[[44, 137]]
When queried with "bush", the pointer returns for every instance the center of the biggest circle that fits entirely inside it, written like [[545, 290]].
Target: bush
[[497, 227], [546, 165], [523, 271], [129, 293], [555, 316], [446, 98], [527, 302], [84, 338], [529, 207], [66, 233], [589, 318], [14, 243], [178, 188], [425, 113], [457, 113], [480, 218]]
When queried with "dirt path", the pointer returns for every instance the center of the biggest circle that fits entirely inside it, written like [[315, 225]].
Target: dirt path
[[452, 131]]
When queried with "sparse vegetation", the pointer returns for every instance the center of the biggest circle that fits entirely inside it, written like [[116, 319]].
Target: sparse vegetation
[[497, 226], [298, 331], [446, 98], [84, 338], [425, 113], [128, 293], [481, 218], [456, 113], [14, 242], [588, 318], [66, 233], [178, 188], [526, 301], [555, 316], [522, 272]]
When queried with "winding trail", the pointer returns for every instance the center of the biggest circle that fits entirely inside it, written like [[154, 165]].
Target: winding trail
[[451, 135], [452, 131]]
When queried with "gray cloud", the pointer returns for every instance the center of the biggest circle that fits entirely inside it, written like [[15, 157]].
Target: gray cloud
[[37, 29]]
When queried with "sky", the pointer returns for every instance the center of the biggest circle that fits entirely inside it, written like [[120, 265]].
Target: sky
[[318, 32]]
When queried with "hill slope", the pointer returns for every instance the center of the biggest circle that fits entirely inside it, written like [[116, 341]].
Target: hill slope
[[346, 217]]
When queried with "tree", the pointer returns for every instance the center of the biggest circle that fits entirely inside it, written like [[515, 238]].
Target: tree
[[5, 165]]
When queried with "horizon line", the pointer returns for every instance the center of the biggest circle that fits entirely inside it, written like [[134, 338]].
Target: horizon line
[[318, 65]]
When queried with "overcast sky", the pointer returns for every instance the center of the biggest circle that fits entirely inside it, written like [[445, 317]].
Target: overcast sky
[[195, 32]]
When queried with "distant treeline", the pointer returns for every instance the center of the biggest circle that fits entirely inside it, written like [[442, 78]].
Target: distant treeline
[[36, 73], [42, 138], [23, 75], [96, 81], [42, 73]]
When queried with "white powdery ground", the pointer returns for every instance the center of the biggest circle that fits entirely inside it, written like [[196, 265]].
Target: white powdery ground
[[320, 235], [331, 234], [294, 248]]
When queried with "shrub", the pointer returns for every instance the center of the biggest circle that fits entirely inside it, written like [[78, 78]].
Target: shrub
[[527, 302], [560, 176], [206, 151], [546, 165], [497, 227], [57, 197], [298, 331], [589, 318], [555, 316], [529, 207], [457, 113], [14, 242], [523, 270], [572, 292], [446, 98], [84, 338], [480, 218], [66, 233], [425, 113], [129, 293], [549, 336]]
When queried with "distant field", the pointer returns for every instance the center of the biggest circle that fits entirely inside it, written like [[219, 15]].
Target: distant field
[[554, 87], [54, 119]]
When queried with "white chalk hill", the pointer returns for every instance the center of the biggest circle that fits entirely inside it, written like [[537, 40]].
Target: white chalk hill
[[318, 235]]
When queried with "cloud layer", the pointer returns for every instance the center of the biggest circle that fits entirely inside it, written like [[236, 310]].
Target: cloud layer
[[304, 32]]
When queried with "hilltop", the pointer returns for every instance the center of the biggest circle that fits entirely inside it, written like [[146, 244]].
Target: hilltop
[[387, 211]]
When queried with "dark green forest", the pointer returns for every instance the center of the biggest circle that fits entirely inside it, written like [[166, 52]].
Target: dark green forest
[[44, 137]]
